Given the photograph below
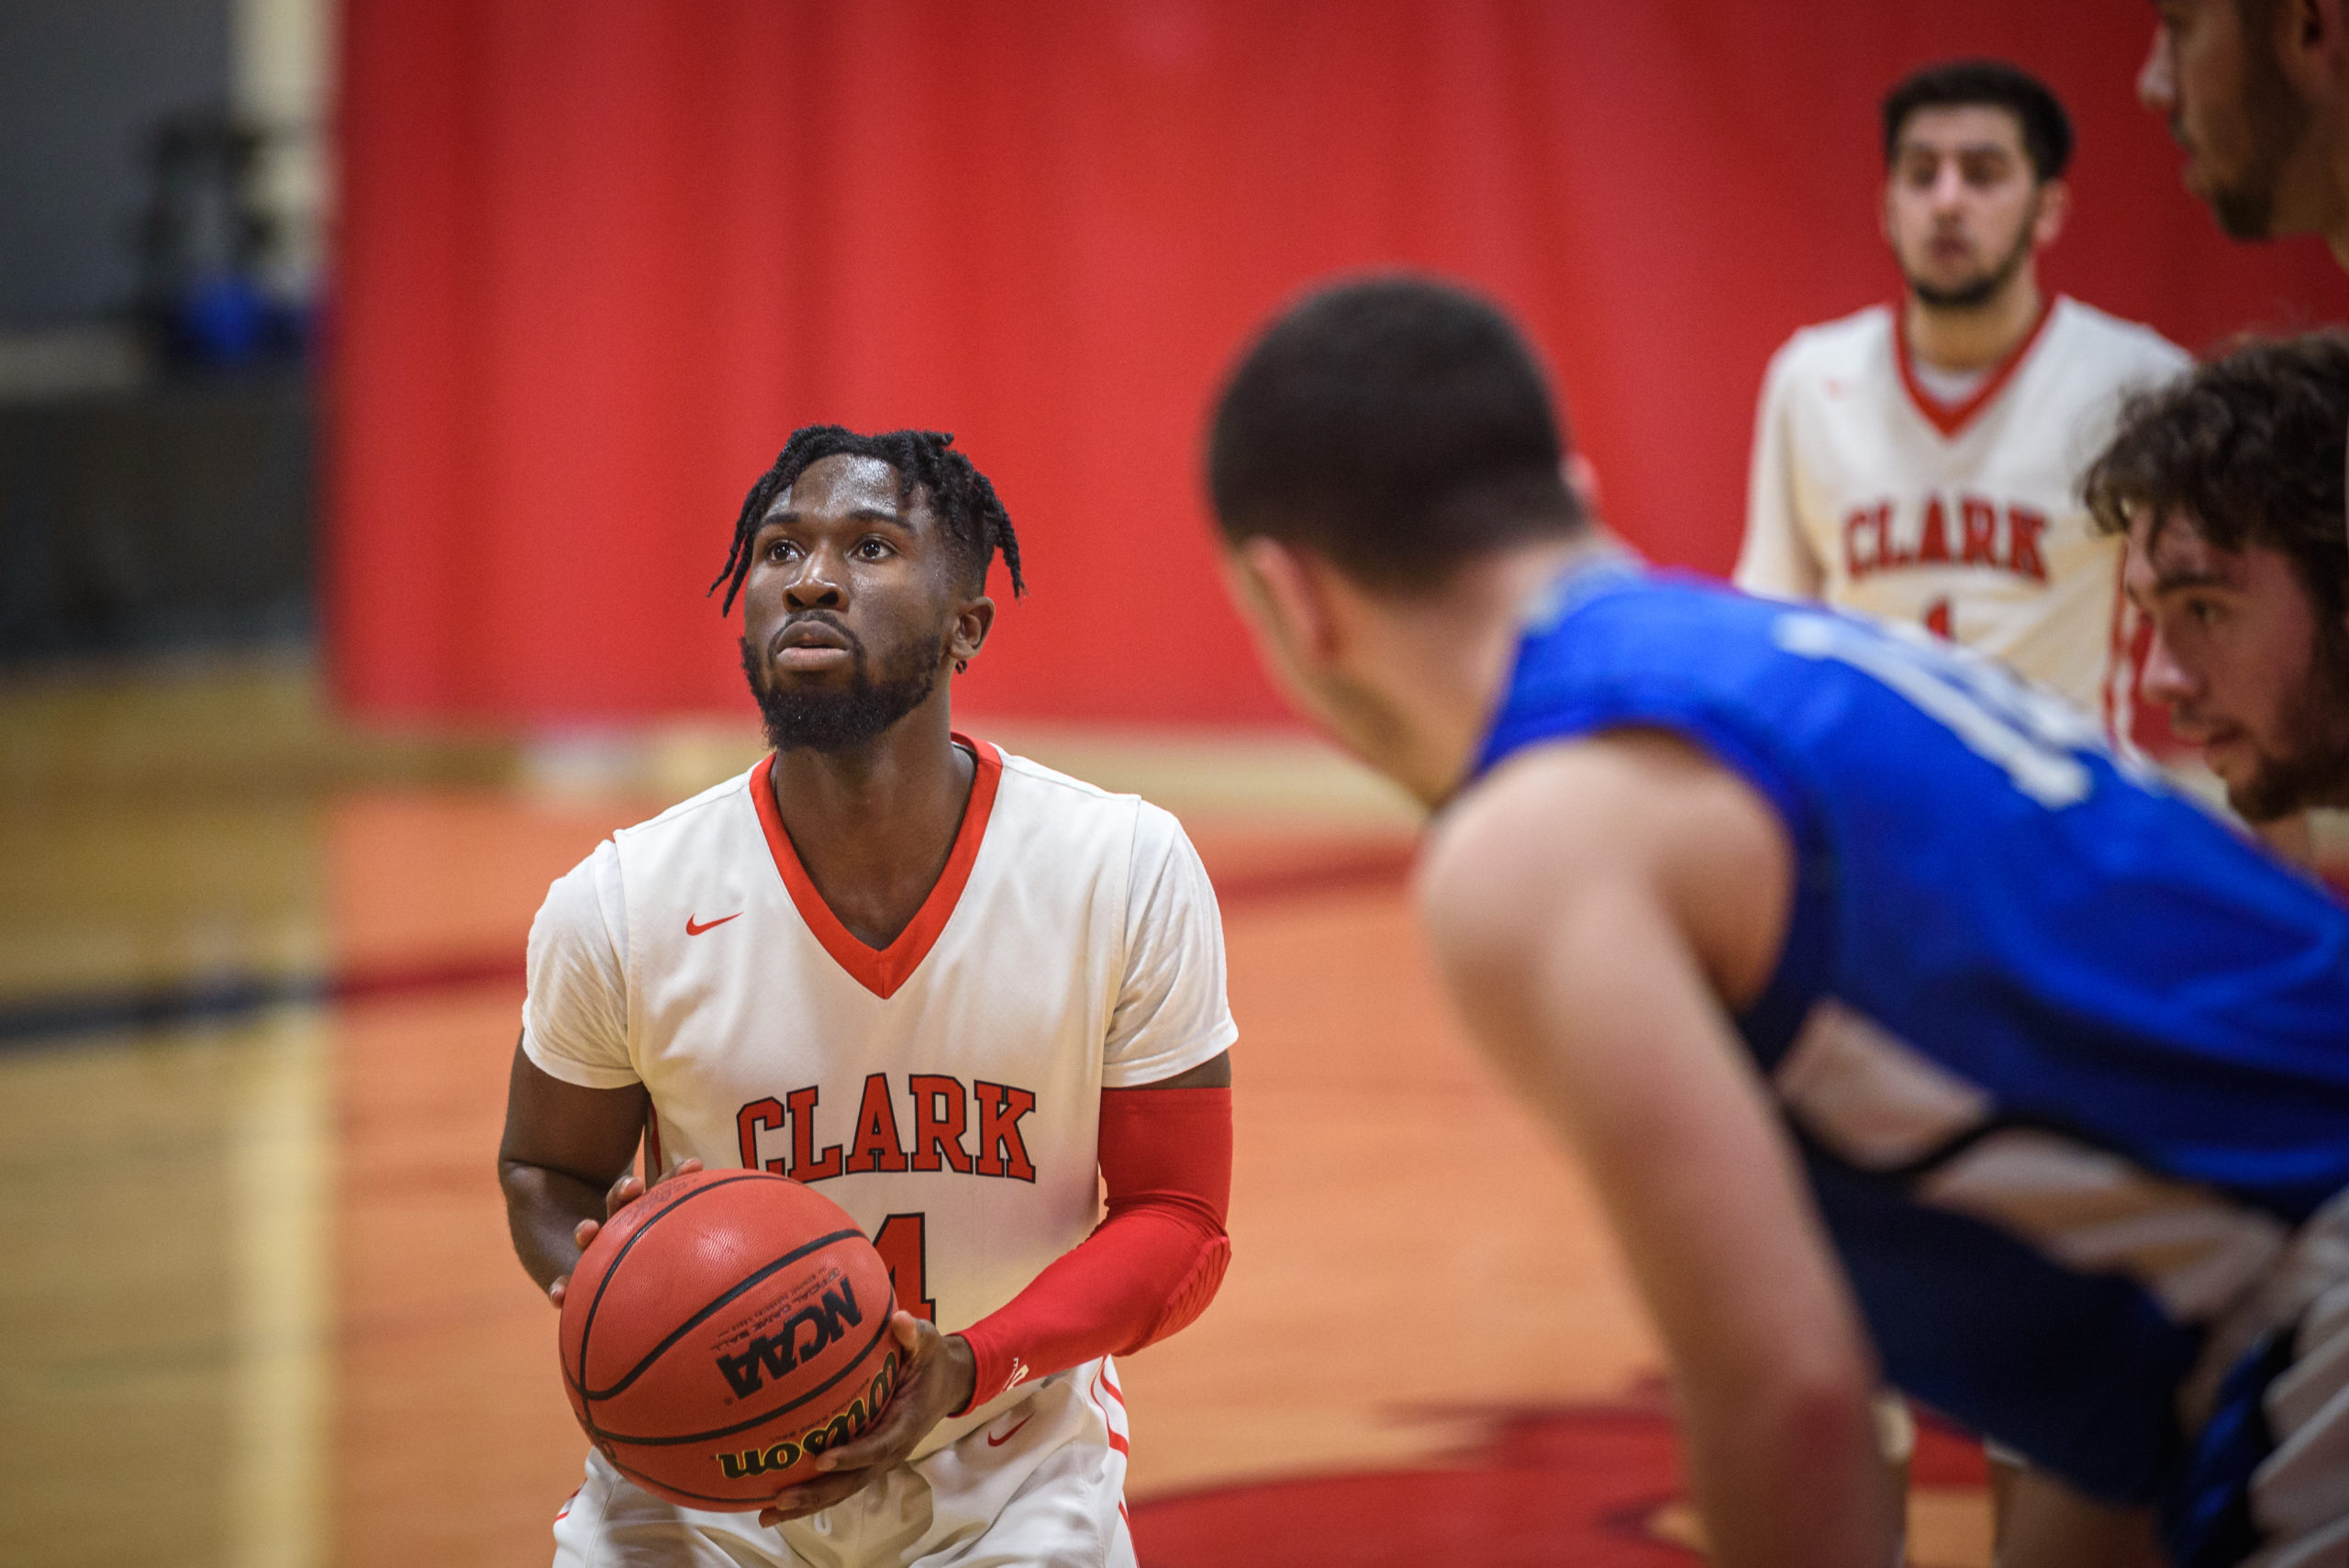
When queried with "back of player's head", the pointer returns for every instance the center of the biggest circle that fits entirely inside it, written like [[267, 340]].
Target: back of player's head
[[1396, 425], [2249, 448], [960, 496], [1959, 83]]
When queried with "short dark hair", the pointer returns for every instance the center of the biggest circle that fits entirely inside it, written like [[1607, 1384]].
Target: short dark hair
[[2249, 447], [1397, 426], [960, 495], [2046, 128]]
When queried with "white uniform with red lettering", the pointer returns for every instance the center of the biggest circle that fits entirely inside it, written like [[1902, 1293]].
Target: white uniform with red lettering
[[1964, 515], [945, 1091]]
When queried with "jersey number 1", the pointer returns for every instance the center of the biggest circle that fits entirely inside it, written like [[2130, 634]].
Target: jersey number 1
[[900, 1243]]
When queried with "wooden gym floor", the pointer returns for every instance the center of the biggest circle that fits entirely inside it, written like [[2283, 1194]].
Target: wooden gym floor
[[258, 982]]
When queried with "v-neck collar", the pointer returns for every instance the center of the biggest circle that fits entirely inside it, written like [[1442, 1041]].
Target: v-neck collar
[[882, 970], [1952, 421]]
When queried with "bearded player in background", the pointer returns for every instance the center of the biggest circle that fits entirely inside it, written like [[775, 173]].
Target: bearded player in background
[[950, 986], [1919, 462], [2256, 93]]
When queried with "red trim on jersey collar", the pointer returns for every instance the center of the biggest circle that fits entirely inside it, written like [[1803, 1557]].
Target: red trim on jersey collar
[[882, 970], [1951, 421]]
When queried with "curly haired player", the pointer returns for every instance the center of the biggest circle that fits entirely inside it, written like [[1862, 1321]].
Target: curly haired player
[[2228, 486], [952, 987]]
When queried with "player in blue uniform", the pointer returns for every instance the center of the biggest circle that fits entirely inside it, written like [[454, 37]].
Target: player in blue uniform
[[1907, 1034]]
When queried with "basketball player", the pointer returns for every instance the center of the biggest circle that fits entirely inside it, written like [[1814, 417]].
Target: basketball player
[[1921, 462], [1904, 1029], [944, 985], [2227, 487], [2256, 92]]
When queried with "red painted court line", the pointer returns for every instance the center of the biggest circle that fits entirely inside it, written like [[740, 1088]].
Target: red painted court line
[[371, 985], [145, 1008], [1377, 868], [40, 1019]]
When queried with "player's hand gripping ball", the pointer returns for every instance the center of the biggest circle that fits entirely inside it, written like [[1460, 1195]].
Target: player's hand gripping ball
[[722, 1331]]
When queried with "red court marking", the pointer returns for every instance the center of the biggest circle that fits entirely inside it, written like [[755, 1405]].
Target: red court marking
[[1576, 1485], [1303, 870]]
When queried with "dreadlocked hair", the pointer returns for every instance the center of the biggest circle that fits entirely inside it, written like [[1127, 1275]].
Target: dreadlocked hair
[[960, 495]]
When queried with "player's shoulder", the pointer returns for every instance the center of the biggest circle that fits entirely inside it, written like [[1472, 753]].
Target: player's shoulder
[[693, 811], [1063, 789], [1838, 347], [1054, 805], [1592, 815], [710, 825], [2114, 340], [1059, 800], [1055, 797]]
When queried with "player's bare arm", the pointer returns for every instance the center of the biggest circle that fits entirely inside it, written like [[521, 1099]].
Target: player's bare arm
[[565, 1166], [941, 1369], [1597, 907], [2044, 1524]]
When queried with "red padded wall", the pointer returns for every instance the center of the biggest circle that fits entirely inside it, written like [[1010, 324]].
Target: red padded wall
[[598, 257]]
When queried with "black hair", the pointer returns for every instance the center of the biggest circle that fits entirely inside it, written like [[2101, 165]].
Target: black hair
[[960, 495], [1397, 426], [2046, 128], [2249, 449]]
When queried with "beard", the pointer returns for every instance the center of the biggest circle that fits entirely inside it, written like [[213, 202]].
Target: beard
[[2275, 123], [2317, 771], [1984, 286], [841, 718]]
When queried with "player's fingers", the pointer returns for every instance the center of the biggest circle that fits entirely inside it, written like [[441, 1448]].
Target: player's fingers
[[625, 1191], [813, 1497], [901, 1424], [556, 1291], [685, 1167], [885, 1441], [585, 1231], [908, 1331]]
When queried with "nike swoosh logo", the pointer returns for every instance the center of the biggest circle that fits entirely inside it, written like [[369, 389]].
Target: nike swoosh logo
[[694, 930], [994, 1441]]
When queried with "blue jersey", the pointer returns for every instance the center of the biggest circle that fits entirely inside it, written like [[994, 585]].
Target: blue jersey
[[2067, 1060]]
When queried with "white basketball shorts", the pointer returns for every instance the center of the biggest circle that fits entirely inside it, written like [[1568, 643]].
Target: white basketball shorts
[[1043, 1483]]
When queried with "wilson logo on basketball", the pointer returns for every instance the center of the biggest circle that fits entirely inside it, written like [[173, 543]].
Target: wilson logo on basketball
[[843, 1427], [772, 1355]]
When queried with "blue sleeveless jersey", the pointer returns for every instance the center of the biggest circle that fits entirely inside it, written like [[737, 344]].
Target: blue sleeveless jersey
[[2067, 1060]]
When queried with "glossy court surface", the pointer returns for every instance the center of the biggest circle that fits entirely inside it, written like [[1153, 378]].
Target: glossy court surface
[[259, 982]]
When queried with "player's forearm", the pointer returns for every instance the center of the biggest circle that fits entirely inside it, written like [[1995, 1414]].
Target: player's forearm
[[2044, 1524], [1153, 1265], [1788, 1470], [543, 1208], [1132, 1282]]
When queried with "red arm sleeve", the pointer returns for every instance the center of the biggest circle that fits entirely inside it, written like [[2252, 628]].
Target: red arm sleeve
[[1152, 1264]]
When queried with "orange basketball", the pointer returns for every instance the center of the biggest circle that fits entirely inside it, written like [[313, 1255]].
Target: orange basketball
[[724, 1330]]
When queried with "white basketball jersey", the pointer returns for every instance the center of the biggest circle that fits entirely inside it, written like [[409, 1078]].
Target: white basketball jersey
[[944, 1090], [1869, 493]]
